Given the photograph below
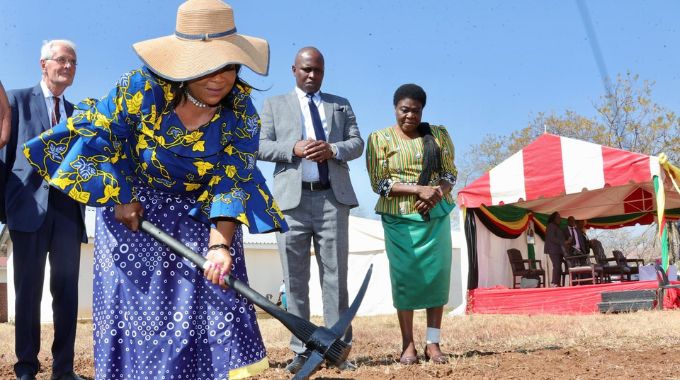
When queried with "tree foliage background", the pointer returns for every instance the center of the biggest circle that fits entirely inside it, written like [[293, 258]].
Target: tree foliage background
[[626, 118]]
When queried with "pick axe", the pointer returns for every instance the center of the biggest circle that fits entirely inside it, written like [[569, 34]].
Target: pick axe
[[324, 343]]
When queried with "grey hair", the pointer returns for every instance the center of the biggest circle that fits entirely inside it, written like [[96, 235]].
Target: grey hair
[[46, 49]]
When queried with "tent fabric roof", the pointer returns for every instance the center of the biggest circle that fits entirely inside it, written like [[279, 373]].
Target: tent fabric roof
[[575, 177]]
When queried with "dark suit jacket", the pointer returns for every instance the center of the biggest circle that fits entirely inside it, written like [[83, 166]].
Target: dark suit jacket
[[583, 241], [24, 193], [554, 240]]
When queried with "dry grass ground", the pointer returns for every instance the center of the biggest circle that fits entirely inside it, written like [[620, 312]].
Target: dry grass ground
[[637, 345]]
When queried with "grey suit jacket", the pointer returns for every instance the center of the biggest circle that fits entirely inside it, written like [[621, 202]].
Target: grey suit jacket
[[24, 193], [282, 127]]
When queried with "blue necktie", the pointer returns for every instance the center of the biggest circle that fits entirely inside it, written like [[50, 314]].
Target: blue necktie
[[320, 135]]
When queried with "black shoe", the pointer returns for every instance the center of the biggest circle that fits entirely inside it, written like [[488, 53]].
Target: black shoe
[[297, 363], [26, 377], [67, 376]]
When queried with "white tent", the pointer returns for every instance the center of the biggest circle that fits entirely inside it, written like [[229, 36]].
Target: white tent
[[366, 247], [264, 271]]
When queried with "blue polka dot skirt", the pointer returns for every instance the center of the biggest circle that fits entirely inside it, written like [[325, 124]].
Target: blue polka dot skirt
[[155, 315]]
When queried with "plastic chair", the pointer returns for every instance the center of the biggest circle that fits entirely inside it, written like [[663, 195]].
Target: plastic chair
[[664, 284]]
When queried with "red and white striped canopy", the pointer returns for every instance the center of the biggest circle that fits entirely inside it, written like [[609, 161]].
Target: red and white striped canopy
[[574, 177]]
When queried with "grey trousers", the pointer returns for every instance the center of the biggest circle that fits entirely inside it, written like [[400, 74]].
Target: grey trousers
[[321, 220]]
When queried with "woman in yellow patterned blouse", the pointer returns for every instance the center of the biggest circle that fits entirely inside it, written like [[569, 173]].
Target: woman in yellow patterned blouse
[[176, 142], [411, 168]]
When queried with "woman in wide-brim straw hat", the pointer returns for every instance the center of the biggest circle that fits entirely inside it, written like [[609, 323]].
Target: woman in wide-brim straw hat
[[176, 142]]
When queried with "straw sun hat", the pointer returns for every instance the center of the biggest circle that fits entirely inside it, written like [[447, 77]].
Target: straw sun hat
[[205, 41]]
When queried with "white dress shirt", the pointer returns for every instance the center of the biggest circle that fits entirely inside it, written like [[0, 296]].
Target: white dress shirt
[[310, 169], [574, 235], [49, 103]]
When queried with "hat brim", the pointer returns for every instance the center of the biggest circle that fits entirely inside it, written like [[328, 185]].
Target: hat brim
[[180, 60]]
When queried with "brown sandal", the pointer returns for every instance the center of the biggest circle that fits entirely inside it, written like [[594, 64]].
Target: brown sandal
[[439, 358]]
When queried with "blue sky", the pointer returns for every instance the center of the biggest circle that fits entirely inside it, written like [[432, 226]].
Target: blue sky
[[487, 66]]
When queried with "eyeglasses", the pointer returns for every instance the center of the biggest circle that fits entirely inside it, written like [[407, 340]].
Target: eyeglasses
[[63, 60]]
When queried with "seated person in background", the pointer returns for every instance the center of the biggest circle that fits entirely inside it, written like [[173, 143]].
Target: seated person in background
[[282, 301], [581, 230], [578, 244]]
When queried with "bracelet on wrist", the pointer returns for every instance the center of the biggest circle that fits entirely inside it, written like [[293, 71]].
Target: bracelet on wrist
[[218, 246]]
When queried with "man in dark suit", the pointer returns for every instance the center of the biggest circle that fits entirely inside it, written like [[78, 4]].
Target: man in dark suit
[[311, 136], [578, 241], [43, 222], [584, 241]]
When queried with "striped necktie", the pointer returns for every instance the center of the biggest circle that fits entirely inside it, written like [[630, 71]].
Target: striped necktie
[[56, 115]]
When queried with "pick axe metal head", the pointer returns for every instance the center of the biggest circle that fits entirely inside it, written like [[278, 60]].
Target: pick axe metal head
[[324, 343], [327, 343]]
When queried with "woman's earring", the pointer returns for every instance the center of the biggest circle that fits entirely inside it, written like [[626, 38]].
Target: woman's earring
[[181, 84]]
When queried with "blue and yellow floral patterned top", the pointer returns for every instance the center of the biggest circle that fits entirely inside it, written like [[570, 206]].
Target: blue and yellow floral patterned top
[[133, 137]]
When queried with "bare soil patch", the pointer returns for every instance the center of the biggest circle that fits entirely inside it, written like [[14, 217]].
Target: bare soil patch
[[638, 345]]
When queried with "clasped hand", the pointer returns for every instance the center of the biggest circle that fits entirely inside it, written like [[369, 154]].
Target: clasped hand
[[428, 197], [313, 150]]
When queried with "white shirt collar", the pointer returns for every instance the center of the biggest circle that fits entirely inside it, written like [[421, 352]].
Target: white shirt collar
[[47, 93], [303, 95]]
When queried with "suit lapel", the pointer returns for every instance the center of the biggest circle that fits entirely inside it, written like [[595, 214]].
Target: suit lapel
[[38, 107], [296, 112], [328, 111], [69, 107]]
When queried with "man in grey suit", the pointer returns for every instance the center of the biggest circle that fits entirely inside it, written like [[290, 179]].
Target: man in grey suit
[[311, 136], [41, 219]]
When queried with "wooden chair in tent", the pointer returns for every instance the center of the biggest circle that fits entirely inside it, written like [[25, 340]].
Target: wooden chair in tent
[[581, 269], [609, 265], [623, 262], [564, 273], [522, 267]]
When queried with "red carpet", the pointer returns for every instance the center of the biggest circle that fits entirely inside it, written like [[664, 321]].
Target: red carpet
[[568, 300]]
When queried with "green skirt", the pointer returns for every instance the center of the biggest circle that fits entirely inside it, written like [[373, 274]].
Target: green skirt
[[419, 253]]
